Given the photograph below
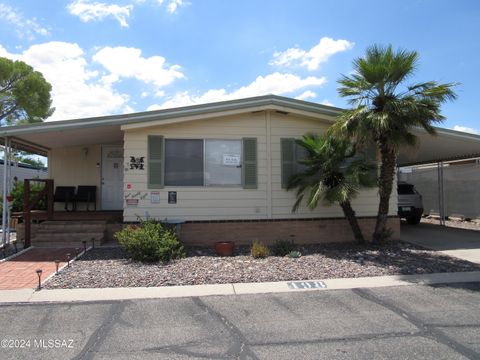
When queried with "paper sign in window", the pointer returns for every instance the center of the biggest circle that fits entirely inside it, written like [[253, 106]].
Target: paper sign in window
[[231, 160]]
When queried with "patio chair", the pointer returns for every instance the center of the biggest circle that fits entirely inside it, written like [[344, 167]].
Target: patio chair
[[65, 194], [88, 195]]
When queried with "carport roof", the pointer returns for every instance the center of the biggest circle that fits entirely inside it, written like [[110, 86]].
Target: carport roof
[[39, 138]]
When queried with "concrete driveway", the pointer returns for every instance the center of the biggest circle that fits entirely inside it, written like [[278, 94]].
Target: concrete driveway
[[407, 322], [460, 243]]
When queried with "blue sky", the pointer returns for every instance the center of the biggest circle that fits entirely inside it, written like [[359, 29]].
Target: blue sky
[[114, 56]]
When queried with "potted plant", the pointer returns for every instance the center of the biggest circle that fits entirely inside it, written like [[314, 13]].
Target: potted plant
[[224, 248]]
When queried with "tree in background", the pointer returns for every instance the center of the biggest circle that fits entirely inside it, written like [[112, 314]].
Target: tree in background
[[24, 94], [334, 173], [25, 158], [386, 110]]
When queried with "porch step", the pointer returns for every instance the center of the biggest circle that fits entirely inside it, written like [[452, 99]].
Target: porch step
[[69, 233], [69, 237], [71, 226]]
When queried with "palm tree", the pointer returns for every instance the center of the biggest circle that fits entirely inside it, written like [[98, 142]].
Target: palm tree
[[332, 173], [386, 110]]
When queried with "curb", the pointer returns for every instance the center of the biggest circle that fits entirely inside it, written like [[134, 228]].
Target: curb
[[27, 296]]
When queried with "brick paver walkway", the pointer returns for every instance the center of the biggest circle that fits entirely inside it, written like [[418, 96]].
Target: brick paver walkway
[[19, 272]]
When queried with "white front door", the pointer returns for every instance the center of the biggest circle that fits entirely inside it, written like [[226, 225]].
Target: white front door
[[112, 177]]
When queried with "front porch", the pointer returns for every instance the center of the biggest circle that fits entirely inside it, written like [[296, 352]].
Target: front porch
[[40, 223]]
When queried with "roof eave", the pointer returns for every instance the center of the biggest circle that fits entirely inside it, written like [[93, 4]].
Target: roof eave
[[117, 120]]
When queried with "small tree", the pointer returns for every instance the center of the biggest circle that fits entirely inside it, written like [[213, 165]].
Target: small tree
[[386, 110], [333, 173], [24, 94]]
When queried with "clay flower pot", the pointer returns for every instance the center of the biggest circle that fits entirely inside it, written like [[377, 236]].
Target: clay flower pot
[[224, 248]]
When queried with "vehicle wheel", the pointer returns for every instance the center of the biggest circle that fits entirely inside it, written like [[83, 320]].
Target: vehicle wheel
[[414, 220]]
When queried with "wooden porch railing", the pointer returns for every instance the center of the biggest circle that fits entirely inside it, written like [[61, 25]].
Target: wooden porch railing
[[46, 193]]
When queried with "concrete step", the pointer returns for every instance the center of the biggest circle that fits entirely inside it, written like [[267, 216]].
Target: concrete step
[[68, 237], [71, 226], [60, 244], [71, 230], [70, 222]]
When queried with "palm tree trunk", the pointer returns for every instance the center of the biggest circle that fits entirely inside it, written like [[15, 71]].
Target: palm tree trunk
[[352, 220], [385, 184]]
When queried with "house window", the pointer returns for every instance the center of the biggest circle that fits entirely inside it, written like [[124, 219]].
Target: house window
[[223, 162], [198, 162], [183, 162]]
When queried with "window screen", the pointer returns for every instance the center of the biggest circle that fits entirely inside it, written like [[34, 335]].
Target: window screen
[[223, 159], [183, 162]]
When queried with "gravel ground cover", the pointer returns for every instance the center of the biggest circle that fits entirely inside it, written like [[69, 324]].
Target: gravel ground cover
[[109, 267], [460, 224]]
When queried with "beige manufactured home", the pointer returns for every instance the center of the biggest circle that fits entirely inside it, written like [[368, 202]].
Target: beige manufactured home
[[219, 169]]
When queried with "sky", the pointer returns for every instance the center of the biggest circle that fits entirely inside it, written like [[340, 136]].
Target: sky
[[106, 57]]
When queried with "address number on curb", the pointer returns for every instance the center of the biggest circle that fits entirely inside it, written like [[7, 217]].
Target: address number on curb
[[307, 285]]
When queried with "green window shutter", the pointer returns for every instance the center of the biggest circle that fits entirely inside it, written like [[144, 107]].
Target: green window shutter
[[249, 165], [156, 161], [287, 147]]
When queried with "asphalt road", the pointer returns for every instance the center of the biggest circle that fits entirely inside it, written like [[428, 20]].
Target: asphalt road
[[408, 322]]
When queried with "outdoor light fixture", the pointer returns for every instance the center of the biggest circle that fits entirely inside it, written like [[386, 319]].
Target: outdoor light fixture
[[68, 260], [57, 262], [93, 243], [39, 274], [84, 242]]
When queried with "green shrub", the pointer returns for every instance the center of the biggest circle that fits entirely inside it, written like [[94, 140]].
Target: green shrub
[[283, 247], [295, 254], [18, 191], [259, 251], [150, 242]]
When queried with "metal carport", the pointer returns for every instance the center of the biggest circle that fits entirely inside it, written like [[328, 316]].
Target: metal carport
[[447, 145]]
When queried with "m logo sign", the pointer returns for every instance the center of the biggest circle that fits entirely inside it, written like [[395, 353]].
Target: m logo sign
[[136, 163]]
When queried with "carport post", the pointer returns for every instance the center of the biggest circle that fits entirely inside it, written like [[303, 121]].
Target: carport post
[[441, 193], [9, 188], [4, 192]]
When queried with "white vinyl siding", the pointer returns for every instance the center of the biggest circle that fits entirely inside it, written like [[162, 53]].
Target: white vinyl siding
[[202, 202], [288, 126], [235, 203]]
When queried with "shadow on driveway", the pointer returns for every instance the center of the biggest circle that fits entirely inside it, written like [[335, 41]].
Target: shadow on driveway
[[461, 243]]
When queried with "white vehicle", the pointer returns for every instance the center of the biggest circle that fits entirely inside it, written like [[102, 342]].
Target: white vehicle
[[410, 203]]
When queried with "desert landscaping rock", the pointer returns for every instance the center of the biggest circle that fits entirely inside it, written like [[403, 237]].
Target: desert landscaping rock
[[459, 224], [111, 268]]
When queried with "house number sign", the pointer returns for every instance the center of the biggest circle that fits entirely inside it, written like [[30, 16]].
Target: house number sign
[[307, 285]]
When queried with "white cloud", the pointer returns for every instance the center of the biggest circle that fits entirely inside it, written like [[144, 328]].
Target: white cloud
[[311, 59], [326, 102], [24, 28], [466, 129], [87, 11], [81, 89], [306, 95], [275, 83], [76, 91], [173, 5], [125, 62]]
